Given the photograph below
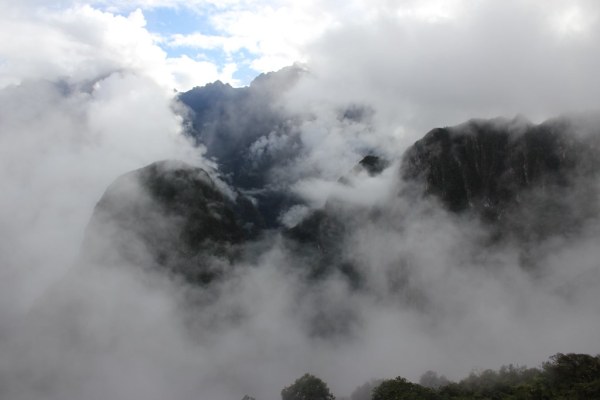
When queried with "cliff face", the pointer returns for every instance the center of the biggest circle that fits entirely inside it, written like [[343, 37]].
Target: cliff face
[[511, 173], [249, 134], [525, 182], [234, 124], [171, 215]]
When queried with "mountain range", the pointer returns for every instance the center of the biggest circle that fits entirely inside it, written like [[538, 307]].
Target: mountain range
[[524, 182]]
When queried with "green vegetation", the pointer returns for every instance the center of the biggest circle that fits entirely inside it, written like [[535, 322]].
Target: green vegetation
[[309, 387], [401, 389], [563, 377]]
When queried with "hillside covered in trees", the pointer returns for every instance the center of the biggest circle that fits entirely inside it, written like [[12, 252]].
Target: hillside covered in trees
[[563, 376]]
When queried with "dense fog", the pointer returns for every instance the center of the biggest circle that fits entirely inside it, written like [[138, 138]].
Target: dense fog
[[80, 108]]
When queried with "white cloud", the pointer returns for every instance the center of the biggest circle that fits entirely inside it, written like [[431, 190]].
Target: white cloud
[[419, 73], [274, 33], [189, 73], [210, 42], [83, 43], [573, 20], [277, 33], [85, 96]]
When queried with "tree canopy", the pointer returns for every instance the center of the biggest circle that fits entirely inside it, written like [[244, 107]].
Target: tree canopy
[[308, 387], [563, 377], [401, 389]]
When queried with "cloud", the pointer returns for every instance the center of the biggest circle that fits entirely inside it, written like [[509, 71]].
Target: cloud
[[189, 73], [61, 150], [83, 43], [270, 38], [78, 108], [433, 33], [208, 42], [419, 73], [85, 96]]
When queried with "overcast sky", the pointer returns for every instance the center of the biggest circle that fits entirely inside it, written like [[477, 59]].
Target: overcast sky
[[193, 42], [418, 63]]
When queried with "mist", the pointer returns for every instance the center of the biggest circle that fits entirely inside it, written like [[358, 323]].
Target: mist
[[433, 293]]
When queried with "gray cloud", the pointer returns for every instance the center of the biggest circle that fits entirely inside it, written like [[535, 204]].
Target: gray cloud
[[490, 59], [432, 296]]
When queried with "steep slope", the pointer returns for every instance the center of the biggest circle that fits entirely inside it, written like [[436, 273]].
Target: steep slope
[[322, 234], [249, 134], [532, 180], [231, 121], [172, 215], [526, 183]]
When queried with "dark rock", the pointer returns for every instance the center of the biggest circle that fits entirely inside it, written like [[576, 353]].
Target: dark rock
[[236, 125], [374, 165], [172, 215], [356, 113], [249, 135], [323, 232], [531, 177], [319, 237], [525, 181]]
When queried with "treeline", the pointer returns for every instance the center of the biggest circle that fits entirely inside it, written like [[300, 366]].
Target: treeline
[[564, 376]]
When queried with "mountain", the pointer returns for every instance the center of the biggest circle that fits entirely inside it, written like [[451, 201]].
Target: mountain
[[171, 215], [525, 182], [528, 180], [254, 138], [249, 134]]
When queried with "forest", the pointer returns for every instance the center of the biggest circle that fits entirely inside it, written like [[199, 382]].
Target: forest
[[564, 376]]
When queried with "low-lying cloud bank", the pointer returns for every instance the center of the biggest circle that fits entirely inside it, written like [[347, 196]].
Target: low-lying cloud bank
[[433, 293]]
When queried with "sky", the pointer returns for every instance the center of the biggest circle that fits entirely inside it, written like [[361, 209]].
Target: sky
[[203, 40], [506, 58], [87, 94]]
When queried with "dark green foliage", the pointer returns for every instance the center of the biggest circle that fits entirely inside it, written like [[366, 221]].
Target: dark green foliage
[[508, 382], [573, 376], [308, 387], [575, 368], [564, 377], [401, 389]]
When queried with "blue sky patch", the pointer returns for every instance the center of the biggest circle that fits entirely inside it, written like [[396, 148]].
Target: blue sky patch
[[170, 21]]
